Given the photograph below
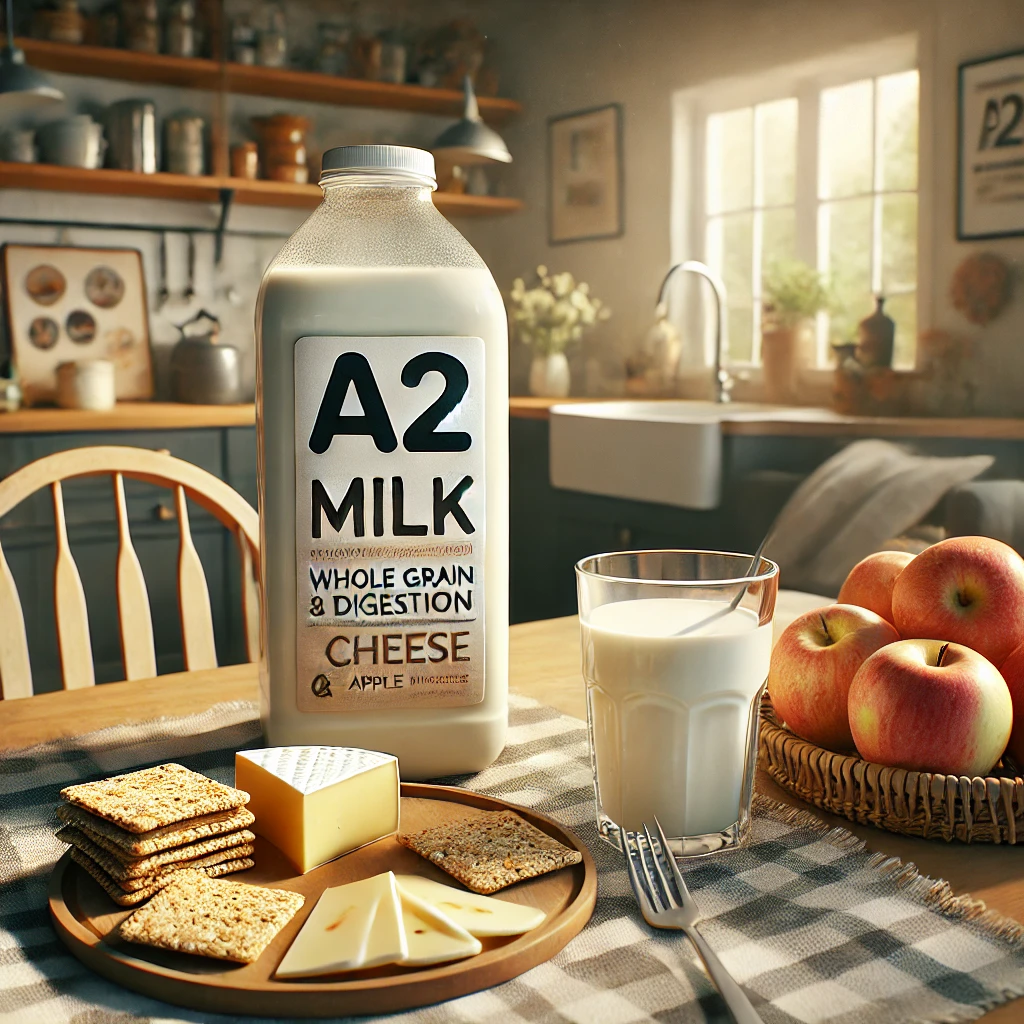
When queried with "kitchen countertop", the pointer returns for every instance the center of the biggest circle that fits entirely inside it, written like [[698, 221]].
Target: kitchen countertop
[[803, 422]]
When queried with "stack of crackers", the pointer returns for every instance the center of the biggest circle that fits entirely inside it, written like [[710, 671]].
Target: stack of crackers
[[134, 832]]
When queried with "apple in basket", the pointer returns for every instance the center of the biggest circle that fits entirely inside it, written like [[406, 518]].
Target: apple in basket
[[969, 590], [814, 663], [931, 706], [1013, 672], [870, 582]]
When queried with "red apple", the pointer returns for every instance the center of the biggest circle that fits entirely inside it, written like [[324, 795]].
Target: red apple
[[1013, 673], [930, 706], [870, 582], [969, 590], [814, 663]]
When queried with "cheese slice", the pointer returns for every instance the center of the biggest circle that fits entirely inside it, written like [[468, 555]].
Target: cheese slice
[[479, 915], [317, 803], [351, 927], [431, 937]]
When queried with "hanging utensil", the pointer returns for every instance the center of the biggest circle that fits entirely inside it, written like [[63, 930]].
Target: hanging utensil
[[162, 293], [190, 290]]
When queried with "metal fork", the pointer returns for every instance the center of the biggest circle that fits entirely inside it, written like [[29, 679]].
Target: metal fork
[[664, 908]]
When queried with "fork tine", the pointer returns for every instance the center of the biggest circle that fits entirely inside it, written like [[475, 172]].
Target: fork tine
[[677, 875], [657, 896], [665, 889], [634, 880]]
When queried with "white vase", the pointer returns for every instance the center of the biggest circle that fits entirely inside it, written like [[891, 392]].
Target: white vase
[[549, 376]]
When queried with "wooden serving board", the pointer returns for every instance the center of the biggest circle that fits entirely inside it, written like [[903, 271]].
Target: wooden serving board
[[86, 920]]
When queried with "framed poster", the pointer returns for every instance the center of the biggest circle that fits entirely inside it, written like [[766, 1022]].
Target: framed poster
[[991, 148], [66, 304], [585, 175]]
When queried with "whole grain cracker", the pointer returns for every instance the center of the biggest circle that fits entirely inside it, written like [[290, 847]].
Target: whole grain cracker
[[121, 865], [144, 879], [143, 843], [154, 797], [491, 851], [131, 899], [226, 920]]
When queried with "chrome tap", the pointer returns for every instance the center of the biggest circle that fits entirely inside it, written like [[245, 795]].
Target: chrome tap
[[723, 381]]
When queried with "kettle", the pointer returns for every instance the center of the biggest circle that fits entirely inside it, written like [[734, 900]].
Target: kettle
[[204, 372]]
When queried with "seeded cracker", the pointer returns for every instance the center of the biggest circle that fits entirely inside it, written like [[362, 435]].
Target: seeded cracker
[[491, 851], [132, 899], [144, 843], [154, 797], [120, 865], [226, 920]]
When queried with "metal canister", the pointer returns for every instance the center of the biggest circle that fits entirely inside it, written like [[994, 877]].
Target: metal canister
[[184, 149], [131, 136]]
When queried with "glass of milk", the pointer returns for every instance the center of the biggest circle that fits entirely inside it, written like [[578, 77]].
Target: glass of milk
[[674, 679]]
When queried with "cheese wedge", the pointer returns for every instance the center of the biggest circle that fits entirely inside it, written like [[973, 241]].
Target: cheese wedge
[[317, 803], [351, 927], [431, 937], [481, 916]]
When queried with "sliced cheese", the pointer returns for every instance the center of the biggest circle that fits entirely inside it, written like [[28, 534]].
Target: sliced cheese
[[431, 937], [351, 927], [317, 803], [479, 915]]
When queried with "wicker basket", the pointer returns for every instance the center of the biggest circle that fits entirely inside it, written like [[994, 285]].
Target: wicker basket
[[977, 810]]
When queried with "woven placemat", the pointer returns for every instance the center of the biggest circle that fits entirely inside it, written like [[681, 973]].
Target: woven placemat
[[815, 927]]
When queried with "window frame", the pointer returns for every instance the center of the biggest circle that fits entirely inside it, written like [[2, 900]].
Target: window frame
[[804, 82]]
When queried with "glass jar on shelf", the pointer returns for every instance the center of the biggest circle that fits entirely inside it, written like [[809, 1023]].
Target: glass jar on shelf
[[333, 41], [272, 42]]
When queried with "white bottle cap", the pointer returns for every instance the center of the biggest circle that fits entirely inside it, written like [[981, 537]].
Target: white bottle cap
[[379, 158]]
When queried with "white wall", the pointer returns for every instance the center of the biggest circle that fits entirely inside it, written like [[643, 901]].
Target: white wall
[[585, 53]]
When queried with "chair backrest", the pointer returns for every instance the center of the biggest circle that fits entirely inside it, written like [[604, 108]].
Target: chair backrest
[[134, 618]]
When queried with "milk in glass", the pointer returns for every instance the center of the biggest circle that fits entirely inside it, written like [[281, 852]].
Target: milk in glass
[[670, 715], [382, 423]]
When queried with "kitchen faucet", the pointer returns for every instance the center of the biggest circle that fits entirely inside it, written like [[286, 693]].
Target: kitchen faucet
[[723, 382]]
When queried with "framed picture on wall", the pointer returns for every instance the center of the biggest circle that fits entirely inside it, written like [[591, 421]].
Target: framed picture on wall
[[991, 148], [65, 304], [585, 175]]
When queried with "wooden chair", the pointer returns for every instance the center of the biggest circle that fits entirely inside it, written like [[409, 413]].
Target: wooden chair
[[135, 622]]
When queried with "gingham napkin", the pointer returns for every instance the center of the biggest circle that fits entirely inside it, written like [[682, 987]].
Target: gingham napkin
[[813, 926]]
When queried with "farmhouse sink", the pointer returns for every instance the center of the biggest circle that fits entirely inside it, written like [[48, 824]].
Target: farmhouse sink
[[662, 451]]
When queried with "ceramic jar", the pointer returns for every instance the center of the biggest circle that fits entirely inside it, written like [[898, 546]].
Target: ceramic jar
[[283, 147], [73, 142], [184, 149], [86, 384]]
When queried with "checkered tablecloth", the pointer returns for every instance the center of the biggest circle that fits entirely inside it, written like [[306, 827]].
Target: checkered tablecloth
[[812, 925]]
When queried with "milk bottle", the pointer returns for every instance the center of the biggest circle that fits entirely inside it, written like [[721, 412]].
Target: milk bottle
[[382, 424]]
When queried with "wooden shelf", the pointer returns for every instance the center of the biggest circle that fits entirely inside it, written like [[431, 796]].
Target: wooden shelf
[[207, 189], [127, 416], [280, 83]]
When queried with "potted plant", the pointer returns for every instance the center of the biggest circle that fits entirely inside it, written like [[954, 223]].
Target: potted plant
[[548, 318], [793, 294]]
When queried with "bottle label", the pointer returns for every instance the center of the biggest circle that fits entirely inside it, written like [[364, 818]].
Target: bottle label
[[389, 522]]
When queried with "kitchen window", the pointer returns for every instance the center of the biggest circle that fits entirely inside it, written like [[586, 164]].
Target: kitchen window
[[822, 168]]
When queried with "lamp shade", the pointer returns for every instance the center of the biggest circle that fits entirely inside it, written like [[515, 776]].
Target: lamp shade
[[21, 86], [470, 141]]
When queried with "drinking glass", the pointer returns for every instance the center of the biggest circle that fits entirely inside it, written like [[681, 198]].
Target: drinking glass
[[674, 677]]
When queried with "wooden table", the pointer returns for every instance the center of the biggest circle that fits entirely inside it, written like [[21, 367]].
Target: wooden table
[[545, 665]]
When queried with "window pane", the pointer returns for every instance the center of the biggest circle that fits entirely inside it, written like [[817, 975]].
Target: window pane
[[737, 258], [846, 140], [899, 242], [903, 309], [846, 238], [897, 131], [778, 238], [741, 334], [730, 162], [776, 128]]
